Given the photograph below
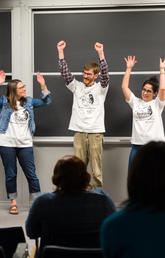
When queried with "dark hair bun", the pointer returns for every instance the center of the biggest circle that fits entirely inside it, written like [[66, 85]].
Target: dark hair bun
[[154, 79]]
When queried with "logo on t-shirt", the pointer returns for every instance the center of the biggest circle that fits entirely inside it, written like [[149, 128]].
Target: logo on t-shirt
[[21, 116], [91, 99], [144, 113]]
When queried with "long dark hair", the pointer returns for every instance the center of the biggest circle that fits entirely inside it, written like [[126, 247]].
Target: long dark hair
[[146, 178], [70, 175], [12, 94]]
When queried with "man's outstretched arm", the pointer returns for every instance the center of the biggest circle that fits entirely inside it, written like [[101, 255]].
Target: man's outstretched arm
[[63, 66], [104, 75]]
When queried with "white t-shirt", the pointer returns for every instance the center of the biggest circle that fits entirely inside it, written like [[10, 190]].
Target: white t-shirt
[[18, 131], [88, 107], [147, 124]]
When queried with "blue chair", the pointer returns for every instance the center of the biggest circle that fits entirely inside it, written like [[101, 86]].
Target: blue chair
[[53, 251]]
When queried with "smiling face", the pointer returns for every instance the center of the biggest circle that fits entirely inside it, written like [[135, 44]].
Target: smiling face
[[20, 90], [148, 93], [89, 77]]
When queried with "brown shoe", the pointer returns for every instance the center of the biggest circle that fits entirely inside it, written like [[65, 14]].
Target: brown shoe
[[13, 209]]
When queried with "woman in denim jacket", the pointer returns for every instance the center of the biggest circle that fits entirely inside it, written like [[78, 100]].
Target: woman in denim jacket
[[16, 129]]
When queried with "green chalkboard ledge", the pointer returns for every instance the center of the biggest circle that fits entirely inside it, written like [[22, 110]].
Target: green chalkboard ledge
[[46, 141]]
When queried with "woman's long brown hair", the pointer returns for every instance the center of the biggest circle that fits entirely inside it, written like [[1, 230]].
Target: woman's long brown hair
[[12, 94]]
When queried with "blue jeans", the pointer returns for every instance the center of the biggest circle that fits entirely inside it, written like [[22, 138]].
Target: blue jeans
[[25, 157], [134, 149]]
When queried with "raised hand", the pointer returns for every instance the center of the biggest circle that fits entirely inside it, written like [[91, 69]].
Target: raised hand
[[61, 45], [98, 47], [130, 61], [162, 64], [2, 77], [40, 79]]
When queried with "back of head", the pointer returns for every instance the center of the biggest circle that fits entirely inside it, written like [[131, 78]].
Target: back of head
[[146, 179], [70, 175], [92, 65], [154, 82]]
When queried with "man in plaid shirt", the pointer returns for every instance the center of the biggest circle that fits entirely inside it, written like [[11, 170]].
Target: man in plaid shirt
[[87, 119]]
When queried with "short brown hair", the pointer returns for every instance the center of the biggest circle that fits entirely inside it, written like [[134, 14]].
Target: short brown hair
[[70, 175], [92, 65]]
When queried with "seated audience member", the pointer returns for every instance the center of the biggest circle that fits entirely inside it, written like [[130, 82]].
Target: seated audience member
[[71, 215], [137, 231]]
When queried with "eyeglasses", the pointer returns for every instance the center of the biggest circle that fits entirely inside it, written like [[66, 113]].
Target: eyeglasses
[[147, 91], [22, 87], [88, 74]]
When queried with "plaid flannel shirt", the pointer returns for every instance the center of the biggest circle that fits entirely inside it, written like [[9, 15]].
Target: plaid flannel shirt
[[68, 77]]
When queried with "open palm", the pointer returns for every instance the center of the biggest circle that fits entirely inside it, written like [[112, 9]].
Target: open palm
[[2, 77]]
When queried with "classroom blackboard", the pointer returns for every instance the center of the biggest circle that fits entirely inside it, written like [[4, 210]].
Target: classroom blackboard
[[5, 42], [123, 32]]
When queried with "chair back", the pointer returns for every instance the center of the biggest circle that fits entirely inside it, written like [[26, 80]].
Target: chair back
[[9, 238], [2, 253], [53, 251]]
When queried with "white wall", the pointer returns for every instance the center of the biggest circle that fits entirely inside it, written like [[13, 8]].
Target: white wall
[[115, 156]]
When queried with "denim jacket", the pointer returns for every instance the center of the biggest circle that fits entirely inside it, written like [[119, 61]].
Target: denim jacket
[[30, 103]]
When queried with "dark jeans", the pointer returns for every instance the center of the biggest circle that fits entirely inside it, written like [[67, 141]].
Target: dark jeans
[[134, 149], [25, 157]]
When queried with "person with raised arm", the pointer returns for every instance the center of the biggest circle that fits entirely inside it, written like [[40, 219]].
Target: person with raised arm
[[16, 129], [147, 124], [87, 119]]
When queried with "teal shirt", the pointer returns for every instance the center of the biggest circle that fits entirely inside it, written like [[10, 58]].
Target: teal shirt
[[134, 234]]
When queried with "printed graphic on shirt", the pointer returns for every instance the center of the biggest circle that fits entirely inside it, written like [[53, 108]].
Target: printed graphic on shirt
[[88, 101], [20, 116], [143, 113], [91, 99]]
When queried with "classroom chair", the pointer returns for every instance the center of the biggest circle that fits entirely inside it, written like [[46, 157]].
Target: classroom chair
[[9, 239], [53, 251]]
